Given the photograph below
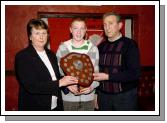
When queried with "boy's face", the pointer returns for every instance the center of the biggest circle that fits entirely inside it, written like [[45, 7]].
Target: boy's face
[[78, 30]]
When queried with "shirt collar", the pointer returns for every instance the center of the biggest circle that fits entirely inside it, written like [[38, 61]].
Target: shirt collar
[[120, 35]]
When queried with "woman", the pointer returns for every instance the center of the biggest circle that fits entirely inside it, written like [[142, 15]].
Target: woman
[[37, 71], [74, 100]]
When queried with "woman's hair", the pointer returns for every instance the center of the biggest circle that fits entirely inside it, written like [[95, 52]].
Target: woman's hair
[[37, 24]]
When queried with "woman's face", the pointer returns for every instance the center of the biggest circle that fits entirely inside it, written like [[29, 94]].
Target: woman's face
[[39, 38], [78, 30]]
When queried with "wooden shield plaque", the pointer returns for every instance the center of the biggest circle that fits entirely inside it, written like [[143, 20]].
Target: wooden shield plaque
[[80, 66]]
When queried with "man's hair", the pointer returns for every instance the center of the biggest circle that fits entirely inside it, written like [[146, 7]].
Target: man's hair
[[114, 14]]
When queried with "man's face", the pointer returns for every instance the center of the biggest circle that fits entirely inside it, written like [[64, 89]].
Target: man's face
[[78, 30], [111, 26]]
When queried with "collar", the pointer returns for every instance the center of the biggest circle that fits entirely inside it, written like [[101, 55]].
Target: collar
[[120, 35]]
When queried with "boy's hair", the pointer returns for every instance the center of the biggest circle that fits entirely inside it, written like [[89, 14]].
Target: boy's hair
[[79, 20]]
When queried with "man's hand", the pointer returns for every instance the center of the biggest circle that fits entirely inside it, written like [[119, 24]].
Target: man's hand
[[100, 76]]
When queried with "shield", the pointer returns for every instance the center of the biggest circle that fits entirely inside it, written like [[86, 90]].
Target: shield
[[79, 66]]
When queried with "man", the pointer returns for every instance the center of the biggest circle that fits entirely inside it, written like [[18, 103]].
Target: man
[[119, 66]]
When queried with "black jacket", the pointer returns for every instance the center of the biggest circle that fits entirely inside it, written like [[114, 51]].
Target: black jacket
[[36, 85]]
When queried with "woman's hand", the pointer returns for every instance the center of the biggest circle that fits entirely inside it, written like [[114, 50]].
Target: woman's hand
[[67, 80]]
